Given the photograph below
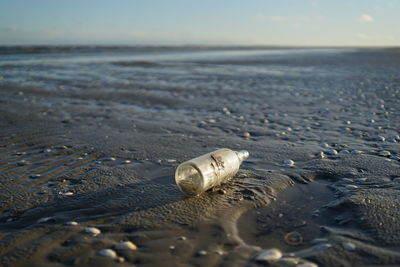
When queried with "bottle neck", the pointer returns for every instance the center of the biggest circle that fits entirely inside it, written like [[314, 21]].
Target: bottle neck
[[242, 155]]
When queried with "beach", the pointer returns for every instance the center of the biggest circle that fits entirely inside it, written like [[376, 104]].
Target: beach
[[91, 138]]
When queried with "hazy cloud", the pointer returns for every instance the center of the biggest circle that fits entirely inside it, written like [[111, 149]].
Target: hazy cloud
[[314, 3], [273, 18], [365, 18], [362, 36], [291, 19], [389, 37], [296, 26]]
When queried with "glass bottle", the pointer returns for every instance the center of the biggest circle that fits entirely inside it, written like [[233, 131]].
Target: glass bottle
[[202, 173]]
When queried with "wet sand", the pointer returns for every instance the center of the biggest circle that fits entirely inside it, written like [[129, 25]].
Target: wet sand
[[104, 154]]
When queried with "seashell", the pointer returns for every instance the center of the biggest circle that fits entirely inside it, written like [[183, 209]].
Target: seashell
[[379, 138], [384, 153], [72, 223], [268, 255], [308, 264], [288, 162], [202, 253], [349, 246], [126, 245], [246, 134], [107, 253], [331, 152], [320, 155], [92, 230]]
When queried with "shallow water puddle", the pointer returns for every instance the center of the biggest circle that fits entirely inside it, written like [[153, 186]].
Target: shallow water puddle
[[290, 222]]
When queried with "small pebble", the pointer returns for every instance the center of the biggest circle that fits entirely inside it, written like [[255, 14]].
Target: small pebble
[[171, 247], [392, 139], [351, 187], [126, 245], [183, 238], [46, 220], [120, 259], [361, 180], [324, 145], [320, 155], [226, 111], [348, 122], [112, 159], [379, 138], [171, 160], [92, 230], [67, 194], [221, 191], [322, 247], [219, 252], [246, 134], [47, 150], [288, 162], [384, 153], [356, 152], [288, 261], [307, 264], [202, 253], [35, 176], [211, 121], [71, 223], [107, 253], [127, 161], [349, 246], [22, 163], [344, 151], [268, 255], [331, 152]]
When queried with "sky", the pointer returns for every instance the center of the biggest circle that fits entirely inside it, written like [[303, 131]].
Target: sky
[[201, 22]]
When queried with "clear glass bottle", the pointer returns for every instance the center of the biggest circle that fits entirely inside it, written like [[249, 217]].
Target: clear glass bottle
[[202, 173]]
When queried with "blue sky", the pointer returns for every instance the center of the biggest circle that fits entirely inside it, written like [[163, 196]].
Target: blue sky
[[209, 22]]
